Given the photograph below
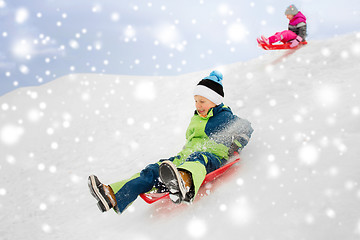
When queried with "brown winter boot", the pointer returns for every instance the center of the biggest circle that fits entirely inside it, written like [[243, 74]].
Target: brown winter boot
[[189, 185], [186, 177], [110, 194], [102, 193]]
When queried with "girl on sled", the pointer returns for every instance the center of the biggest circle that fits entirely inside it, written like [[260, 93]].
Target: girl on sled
[[296, 32]]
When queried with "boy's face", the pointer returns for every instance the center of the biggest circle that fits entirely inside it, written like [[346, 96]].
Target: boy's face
[[290, 17], [203, 105]]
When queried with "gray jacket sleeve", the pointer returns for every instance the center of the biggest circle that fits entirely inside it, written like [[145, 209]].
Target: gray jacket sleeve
[[241, 131]]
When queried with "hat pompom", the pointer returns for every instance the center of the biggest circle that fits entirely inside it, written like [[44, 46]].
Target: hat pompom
[[211, 87], [216, 76]]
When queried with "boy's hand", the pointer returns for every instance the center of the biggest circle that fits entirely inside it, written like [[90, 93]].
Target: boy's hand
[[235, 147]]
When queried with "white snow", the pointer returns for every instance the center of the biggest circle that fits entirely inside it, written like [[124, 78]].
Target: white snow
[[298, 179]]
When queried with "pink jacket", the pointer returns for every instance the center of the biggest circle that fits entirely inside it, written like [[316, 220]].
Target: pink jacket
[[298, 25], [298, 18]]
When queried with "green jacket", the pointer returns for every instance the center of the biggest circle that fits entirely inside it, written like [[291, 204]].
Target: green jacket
[[220, 133]]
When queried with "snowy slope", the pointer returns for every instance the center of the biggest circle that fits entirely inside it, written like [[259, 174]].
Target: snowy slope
[[299, 177]]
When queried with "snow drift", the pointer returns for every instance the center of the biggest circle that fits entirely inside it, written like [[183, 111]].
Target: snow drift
[[298, 178]]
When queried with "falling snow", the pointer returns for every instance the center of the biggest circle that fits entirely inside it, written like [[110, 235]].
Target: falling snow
[[299, 169], [298, 174]]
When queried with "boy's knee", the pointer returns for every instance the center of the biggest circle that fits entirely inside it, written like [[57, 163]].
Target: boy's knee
[[150, 172], [197, 157]]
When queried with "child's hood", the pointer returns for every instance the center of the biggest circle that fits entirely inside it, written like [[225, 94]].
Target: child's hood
[[298, 18], [220, 108]]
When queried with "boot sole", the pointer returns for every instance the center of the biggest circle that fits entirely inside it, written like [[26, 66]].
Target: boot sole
[[94, 183], [171, 178], [265, 40]]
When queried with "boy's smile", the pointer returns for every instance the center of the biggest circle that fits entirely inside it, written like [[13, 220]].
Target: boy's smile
[[203, 105]]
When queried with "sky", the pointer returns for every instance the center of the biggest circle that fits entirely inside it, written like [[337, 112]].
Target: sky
[[43, 40]]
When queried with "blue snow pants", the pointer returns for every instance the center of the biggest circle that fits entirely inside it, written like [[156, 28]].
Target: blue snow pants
[[198, 164]]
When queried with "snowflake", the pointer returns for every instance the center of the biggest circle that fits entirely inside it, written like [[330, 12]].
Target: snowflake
[[46, 228], [241, 212], [21, 15], [145, 91], [237, 32], [273, 171], [196, 228], [10, 134], [308, 154]]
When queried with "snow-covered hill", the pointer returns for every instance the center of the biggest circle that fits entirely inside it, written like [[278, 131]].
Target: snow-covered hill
[[299, 176]]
